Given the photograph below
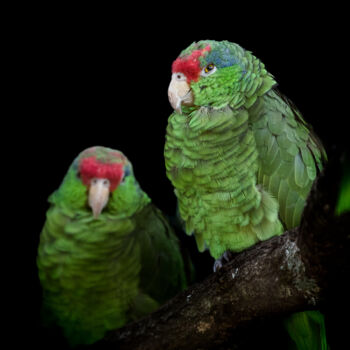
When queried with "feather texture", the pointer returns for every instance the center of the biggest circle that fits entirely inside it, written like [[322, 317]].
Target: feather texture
[[99, 274], [289, 156], [242, 161], [217, 191]]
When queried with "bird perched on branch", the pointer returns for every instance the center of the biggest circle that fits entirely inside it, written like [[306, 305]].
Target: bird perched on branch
[[241, 158]]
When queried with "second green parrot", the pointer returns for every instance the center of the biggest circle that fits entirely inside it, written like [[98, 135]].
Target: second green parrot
[[241, 157], [107, 255]]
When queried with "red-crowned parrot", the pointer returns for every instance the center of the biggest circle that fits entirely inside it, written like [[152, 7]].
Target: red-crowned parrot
[[107, 255], [241, 157]]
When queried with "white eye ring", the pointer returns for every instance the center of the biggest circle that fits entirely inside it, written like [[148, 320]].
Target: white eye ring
[[208, 70], [179, 76]]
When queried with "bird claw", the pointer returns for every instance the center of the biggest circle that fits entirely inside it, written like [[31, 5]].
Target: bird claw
[[224, 259], [217, 265]]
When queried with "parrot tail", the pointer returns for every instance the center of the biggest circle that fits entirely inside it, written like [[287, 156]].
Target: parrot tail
[[307, 330], [343, 203]]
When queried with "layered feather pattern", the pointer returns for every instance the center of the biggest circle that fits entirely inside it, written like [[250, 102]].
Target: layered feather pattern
[[242, 161], [97, 274], [214, 172]]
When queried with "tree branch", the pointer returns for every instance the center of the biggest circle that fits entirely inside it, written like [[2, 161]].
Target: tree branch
[[285, 274]]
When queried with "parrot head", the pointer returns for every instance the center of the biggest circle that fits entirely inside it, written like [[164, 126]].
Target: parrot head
[[101, 171], [210, 73], [100, 179]]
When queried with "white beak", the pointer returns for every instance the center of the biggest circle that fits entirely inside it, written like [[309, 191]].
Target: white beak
[[179, 92], [98, 195]]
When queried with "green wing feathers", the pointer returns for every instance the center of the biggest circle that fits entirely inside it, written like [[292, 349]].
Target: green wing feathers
[[290, 155], [162, 266]]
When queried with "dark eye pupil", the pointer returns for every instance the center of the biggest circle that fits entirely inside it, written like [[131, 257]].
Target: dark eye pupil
[[209, 67]]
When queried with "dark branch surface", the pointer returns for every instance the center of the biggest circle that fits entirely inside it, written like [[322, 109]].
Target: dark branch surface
[[289, 273]]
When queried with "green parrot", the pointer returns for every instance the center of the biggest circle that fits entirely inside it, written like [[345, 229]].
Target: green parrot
[[107, 255], [241, 158]]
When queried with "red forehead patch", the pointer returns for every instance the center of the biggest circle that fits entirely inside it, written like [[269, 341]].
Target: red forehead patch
[[190, 65], [91, 168]]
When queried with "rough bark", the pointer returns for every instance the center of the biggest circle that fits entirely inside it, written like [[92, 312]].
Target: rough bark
[[289, 273]]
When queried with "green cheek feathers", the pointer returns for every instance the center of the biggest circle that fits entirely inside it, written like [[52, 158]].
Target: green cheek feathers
[[216, 89], [72, 194], [127, 198]]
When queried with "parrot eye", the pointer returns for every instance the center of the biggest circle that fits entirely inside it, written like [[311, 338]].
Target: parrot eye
[[105, 182], [127, 172], [208, 70], [179, 76]]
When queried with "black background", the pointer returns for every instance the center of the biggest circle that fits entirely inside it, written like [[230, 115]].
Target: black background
[[83, 77]]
